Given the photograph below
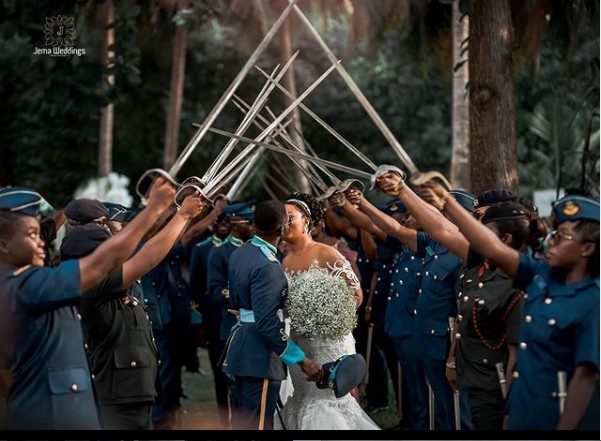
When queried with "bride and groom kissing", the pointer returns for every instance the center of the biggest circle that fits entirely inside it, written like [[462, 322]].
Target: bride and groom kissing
[[315, 286]]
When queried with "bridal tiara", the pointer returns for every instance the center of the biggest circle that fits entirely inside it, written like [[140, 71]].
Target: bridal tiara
[[302, 204]]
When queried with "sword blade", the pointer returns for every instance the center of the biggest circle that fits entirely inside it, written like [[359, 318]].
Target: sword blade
[[394, 143], [230, 90], [329, 164]]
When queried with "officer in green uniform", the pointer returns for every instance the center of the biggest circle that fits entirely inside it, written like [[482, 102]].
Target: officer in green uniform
[[118, 336]]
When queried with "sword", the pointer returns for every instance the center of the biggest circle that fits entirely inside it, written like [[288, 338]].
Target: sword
[[230, 90], [183, 157], [502, 380], [370, 337], [275, 123], [308, 158], [562, 392], [431, 407], [456, 404]]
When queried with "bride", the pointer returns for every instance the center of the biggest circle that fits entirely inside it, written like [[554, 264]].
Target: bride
[[321, 303]]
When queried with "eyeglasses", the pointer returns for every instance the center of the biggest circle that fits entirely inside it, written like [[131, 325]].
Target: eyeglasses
[[556, 236]]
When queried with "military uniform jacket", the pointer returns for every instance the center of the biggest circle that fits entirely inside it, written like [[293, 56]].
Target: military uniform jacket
[[118, 336], [436, 300], [165, 290], [559, 331], [488, 320], [41, 331], [257, 283], [402, 299], [217, 283], [383, 265], [199, 258]]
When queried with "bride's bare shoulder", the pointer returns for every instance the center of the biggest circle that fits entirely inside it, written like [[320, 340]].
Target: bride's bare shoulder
[[328, 253]]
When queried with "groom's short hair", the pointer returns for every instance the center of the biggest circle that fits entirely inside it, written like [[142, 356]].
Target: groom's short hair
[[270, 216]]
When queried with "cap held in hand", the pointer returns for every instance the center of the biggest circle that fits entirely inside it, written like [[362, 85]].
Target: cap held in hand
[[343, 375]]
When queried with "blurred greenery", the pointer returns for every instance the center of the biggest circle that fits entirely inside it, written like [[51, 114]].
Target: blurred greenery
[[51, 106]]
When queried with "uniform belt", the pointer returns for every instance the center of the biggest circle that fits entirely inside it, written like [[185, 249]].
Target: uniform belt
[[247, 316]]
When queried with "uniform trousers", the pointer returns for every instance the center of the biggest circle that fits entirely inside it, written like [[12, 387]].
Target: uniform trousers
[[256, 398]]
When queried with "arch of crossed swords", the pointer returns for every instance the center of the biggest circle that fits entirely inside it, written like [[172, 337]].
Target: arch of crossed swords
[[275, 137]]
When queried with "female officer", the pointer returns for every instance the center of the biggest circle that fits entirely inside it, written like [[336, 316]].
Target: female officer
[[40, 332], [558, 361]]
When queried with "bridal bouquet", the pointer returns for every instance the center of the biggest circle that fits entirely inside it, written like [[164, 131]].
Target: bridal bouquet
[[320, 305]]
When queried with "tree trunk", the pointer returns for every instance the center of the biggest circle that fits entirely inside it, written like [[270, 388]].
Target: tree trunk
[[460, 164], [107, 113], [178, 71], [289, 82], [493, 156]]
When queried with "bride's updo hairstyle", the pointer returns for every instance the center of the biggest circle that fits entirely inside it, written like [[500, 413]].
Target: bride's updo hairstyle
[[308, 205]]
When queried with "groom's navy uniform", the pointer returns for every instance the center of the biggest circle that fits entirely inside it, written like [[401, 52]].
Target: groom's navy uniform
[[257, 349]]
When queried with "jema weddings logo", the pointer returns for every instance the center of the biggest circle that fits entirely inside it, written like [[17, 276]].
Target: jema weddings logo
[[59, 33]]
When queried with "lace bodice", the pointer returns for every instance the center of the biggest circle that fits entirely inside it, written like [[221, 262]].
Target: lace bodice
[[322, 303]]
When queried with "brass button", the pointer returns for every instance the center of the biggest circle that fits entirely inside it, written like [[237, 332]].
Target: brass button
[[551, 322], [436, 257], [435, 277], [400, 282], [548, 300], [480, 302], [133, 364], [480, 285], [458, 336], [419, 290], [516, 374], [432, 331], [427, 272], [485, 360], [79, 316], [525, 296], [523, 346], [465, 298], [135, 303], [528, 319], [468, 281], [459, 317], [74, 387], [415, 311]]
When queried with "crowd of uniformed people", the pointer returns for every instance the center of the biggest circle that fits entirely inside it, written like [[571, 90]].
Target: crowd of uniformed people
[[478, 313]]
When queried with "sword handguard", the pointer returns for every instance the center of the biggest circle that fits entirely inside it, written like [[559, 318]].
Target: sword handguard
[[187, 190], [153, 173], [383, 169]]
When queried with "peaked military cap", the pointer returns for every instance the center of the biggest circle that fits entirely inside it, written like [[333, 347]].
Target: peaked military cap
[[240, 210], [573, 208], [344, 374], [490, 197], [85, 210], [118, 212], [20, 200], [465, 199]]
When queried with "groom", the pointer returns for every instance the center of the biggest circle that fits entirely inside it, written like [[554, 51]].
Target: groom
[[258, 349]]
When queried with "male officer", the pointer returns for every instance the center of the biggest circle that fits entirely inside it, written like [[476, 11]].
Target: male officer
[[40, 332], [258, 348]]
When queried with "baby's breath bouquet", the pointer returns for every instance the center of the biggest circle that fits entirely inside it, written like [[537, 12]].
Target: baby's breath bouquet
[[320, 305]]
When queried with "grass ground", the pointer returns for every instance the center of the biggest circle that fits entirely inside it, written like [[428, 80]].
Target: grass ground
[[199, 410]]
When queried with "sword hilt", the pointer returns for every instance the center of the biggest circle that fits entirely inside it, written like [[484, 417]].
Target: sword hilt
[[152, 174]]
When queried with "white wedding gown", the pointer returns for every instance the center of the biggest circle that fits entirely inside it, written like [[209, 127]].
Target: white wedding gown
[[310, 408]]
